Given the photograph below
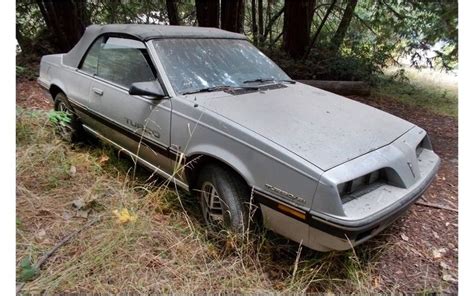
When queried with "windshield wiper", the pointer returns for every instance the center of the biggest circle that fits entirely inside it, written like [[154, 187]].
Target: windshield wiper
[[218, 88], [262, 80]]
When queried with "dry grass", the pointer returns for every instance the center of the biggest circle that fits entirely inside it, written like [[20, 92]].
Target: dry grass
[[430, 89], [165, 249]]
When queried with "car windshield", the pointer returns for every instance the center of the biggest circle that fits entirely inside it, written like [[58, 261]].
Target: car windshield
[[198, 64]]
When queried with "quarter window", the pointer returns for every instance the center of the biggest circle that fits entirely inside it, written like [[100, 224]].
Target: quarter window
[[91, 60], [119, 60]]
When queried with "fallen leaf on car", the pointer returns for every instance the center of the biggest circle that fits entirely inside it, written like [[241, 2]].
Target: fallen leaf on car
[[124, 216]]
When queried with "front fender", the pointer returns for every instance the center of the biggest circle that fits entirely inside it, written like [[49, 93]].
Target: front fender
[[224, 156], [261, 163]]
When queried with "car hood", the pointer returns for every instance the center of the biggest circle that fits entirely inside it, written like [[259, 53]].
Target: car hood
[[318, 126]]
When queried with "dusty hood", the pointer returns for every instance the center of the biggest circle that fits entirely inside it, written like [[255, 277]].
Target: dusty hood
[[323, 128]]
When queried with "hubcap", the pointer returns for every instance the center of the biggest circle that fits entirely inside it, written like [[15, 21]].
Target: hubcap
[[211, 205], [62, 107]]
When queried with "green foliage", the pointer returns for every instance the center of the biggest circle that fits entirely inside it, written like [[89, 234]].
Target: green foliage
[[27, 270], [59, 117], [25, 72], [400, 76], [381, 33], [29, 21], [411, 29]]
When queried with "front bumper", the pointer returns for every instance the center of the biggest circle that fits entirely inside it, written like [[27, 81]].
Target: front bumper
[[327, 235], [364, 217]]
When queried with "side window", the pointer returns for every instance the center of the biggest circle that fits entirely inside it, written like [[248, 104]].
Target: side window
[[119, 60], [124, 61], [90, 62]]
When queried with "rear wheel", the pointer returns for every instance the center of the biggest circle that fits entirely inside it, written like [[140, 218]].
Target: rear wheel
[[69, 131], [223, 198]]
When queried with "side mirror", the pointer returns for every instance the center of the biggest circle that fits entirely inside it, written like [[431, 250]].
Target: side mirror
[[147, 88]]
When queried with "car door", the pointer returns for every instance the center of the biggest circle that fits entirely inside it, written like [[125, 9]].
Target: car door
[[120, 117]]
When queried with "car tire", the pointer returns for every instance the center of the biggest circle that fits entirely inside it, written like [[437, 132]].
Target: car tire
[[218, 186], [72, 131]]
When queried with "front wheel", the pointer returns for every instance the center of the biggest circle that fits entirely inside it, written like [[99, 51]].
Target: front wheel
[[223, 198], [71, 130]]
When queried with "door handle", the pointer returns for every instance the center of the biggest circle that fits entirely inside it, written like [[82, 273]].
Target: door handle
[[98, 91]]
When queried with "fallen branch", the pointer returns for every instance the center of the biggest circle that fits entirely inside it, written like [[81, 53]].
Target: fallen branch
[[437, 206], [66, 239]]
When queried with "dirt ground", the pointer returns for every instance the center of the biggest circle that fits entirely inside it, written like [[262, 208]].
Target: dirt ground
[[421, 249]]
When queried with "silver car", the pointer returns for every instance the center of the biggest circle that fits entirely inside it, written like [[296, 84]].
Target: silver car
[[206, 109]]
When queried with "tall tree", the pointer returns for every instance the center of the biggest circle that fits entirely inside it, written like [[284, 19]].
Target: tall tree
[[260, 21], [232, 15], [242, 16], [296, 26], [344, 24], [172, 9], [207, 13], [269, 15], [66, 20], [254, 22], [271, 21], [320, 27]]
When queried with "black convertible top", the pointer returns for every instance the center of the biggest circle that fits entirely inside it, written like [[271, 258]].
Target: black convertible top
[[144, 33]]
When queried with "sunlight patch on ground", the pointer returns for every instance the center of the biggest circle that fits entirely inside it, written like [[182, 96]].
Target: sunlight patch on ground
[[427, 88]]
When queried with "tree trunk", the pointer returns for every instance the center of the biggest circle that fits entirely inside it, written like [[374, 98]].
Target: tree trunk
[[207, 13], [296, 27], [260, 21], [241, 16], [66, 21], [269, 16], [320, 27], [344, 24], [273, 19], [232, 15], [23, 42], [254, 23], [172, 9]]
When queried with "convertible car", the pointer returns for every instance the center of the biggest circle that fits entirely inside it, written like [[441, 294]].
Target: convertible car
[[207, 110]]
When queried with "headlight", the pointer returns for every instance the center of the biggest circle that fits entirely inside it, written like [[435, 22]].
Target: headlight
[[424, 144], [362, 185]]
